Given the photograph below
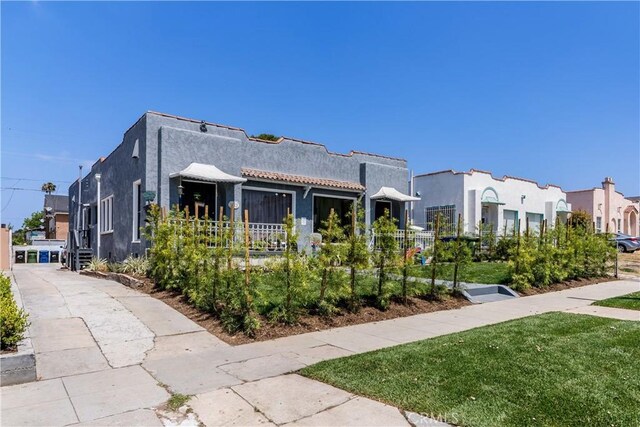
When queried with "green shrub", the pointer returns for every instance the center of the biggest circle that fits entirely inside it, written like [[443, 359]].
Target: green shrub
[[138, 266], [13, 320], [565, 252], [98, 265]]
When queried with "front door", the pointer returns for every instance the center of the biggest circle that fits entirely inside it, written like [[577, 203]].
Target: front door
[[201, 195], [322, 206]]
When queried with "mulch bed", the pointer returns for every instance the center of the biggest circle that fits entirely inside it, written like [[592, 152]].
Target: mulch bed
[[311, 323], [569, 284], [306, 322]]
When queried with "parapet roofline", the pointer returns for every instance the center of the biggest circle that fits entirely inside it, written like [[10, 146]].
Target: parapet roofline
[[503, 179], [282, 138]]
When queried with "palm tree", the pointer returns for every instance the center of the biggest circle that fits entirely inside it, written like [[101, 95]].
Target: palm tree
[[48, 187]]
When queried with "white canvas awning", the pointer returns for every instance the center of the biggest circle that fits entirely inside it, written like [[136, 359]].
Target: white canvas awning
[[390, 193], [210, 173]]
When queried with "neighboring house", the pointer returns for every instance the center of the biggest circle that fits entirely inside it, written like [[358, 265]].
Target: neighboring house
[[172, 161], [499, 203], [56, 216], [610, 210]]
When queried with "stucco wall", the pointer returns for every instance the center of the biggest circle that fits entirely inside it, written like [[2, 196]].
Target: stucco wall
[[118, 170], [609, 205], [465, 190], [437, 190], [169, 144], [5, 248]]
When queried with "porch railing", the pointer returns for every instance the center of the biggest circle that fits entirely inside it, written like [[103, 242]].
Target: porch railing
[[262, 236], [415, 239], [265, 237]]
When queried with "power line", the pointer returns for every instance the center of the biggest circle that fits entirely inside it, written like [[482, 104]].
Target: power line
[[22, 189], [38, 180]]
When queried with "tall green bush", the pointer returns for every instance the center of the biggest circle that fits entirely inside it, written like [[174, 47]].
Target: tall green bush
[[543, 257], [13, 320]]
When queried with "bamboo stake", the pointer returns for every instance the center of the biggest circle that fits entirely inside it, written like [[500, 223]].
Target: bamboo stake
[[288, 271], [232, 235], [353, 254], [457, 260], [247, 263], [434, 260], [405, 270], [219, 227]]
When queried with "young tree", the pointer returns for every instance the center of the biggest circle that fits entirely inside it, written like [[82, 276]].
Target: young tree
[[386, 252], [358, 254], [48, 187], [581, 219], [461, 254], [266, 137], [331, 251]]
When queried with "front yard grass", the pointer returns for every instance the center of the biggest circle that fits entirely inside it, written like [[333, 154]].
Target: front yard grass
[[552, 369], [475, 272], [629, 301]]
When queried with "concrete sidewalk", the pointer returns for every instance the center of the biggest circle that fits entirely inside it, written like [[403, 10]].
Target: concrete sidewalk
[[109, 355]]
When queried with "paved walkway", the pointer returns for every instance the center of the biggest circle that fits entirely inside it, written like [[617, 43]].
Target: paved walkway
[[108, 355]]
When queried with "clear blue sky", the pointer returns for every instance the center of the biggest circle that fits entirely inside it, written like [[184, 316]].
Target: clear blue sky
[[547, 91]]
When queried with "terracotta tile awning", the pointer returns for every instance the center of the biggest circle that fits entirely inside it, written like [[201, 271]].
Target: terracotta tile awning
[[302, 180]]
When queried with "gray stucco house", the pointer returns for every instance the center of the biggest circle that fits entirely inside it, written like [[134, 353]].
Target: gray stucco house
[[171, 160]]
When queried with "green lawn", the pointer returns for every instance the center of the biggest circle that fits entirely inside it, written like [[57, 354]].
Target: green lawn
[[476, 272], [629, 301], [556, 369]]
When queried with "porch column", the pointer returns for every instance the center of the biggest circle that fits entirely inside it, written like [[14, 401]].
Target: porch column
[[237, 197]]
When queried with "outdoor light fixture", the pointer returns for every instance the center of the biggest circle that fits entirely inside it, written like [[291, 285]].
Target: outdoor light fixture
[[524, 196], [180, 190], [203, 126]]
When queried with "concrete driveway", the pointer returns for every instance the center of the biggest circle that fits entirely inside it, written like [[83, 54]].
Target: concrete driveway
[[109, 355]]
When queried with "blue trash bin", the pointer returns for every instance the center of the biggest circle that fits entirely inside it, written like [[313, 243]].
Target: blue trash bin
[[44, 257]]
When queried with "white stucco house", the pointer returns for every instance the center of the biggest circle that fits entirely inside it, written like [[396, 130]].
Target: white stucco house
[[481, 198]]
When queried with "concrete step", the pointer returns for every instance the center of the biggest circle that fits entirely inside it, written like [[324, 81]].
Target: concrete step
[[479, 294]]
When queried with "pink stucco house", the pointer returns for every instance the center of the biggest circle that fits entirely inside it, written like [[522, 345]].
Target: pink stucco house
[[607, 207]]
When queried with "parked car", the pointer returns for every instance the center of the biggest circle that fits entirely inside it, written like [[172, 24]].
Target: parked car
[[626, 243]]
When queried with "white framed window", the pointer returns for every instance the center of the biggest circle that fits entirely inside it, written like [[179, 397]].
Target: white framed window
[[598, 224], [106, 215], [137, 210]]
